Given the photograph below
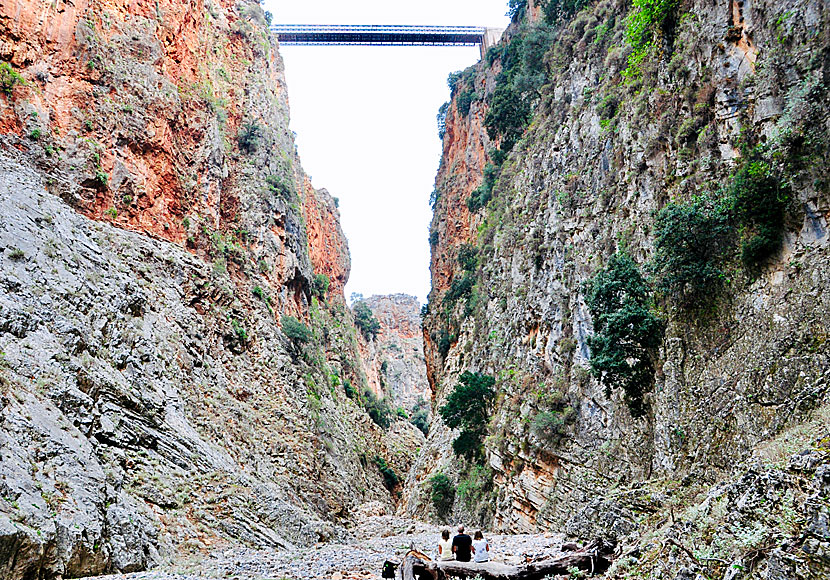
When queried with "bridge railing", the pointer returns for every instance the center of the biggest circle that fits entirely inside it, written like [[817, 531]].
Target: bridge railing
[[391, 35]]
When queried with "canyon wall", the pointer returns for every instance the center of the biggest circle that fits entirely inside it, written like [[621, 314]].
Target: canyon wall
[[394, 359], [172, 377], [740, 371]]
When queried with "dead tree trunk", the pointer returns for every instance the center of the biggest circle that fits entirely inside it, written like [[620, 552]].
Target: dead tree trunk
[[593, 558]]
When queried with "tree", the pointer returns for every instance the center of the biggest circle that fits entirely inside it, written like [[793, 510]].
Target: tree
[[689, 242], [366, 321], [320, 285], [442, 493], [627, 332], [468, 408], [295, 330]]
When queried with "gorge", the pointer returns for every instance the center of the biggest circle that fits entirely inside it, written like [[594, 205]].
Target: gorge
[[626, 336]]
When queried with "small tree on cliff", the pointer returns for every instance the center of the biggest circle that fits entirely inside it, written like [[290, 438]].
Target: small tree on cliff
[[627, 332], [366, 321], [468, 408]]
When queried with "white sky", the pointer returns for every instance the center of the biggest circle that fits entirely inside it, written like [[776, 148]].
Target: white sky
[[366, 131]]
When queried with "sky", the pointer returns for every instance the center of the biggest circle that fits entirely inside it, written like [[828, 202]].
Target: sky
[[366, 130]]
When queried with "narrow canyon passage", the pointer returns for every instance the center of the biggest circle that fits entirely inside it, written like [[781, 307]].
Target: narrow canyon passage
[[623, 351]]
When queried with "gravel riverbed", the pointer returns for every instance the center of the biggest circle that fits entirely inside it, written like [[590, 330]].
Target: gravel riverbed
[[375, 539]]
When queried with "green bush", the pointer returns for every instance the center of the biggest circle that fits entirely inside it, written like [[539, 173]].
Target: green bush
[[644, 25], [464, 101], [433, 238], [366, 321], [248, 136], [626, 331], [690, 241], [9, 78], [468, 409], [377, 409], [556, 9], [349, 389], [444, 341], [549, 426], [390, 478], [760, 202], [467, 257], [516, 9], [508, 115], [295, 330], [479, 198], [442, 493], [320, 285], [441, 119], [482, 195], [282, 186], [475, 488], [459, 288], [420, 416]]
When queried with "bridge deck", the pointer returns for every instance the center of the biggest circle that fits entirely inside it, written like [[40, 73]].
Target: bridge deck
[[305, 34]]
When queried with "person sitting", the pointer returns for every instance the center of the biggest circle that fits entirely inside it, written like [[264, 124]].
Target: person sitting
[[462, 545], [445, 546], [481, 548]]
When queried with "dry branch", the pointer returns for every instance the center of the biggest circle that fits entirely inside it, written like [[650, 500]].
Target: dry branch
[[593, 558]]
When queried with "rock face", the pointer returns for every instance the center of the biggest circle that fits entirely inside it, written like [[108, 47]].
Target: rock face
[[157, 230], [601, 154], [394, 359]]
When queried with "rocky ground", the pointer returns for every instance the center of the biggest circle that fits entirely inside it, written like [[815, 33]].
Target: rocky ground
[[375, 539]]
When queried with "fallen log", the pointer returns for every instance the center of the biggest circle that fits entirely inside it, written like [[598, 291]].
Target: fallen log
[[593, 559]]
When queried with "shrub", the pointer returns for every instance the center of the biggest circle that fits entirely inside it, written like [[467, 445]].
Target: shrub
[[295, 330], [420, 417], [377, 409], [516, 9], [465, 100], [442, 493], [390, 478], [643, 24], [474, 489], [441, 119], [468, 408], [690, 241], [282, 186], [35, 134], [239, 330], [320, 285], [508, 115], [444, 342], [349, 389], [481, 195], [467, 257], [479, 198], [459, 288], [556, 9], [9, 78], [248, 136], [366, 321], [760, 202], [627, 332], [433, 238], [549, 426]]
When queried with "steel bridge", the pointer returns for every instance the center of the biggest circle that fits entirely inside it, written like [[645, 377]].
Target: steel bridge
[[386, 35]]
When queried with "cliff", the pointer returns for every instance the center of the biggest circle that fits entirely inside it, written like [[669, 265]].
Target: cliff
[[607, 159], [175, 341], [394, 358]]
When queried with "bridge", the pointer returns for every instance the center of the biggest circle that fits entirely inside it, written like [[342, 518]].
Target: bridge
[[386, 35]]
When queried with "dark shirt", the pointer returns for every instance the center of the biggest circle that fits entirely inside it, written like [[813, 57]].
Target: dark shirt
[[462, 543]]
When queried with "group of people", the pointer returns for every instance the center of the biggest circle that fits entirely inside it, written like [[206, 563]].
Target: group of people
[[463, 547]]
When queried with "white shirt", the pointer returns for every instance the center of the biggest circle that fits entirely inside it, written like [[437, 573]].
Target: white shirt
[[482, 555]]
